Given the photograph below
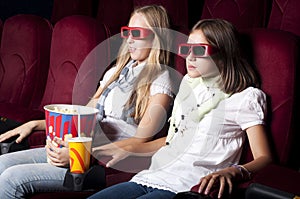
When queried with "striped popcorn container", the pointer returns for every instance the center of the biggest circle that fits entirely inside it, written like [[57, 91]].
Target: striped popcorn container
[[66, 121]]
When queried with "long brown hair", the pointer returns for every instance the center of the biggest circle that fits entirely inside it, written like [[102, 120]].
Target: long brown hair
[[236, 73]]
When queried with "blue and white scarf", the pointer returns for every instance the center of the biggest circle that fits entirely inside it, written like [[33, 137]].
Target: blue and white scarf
[[102, 98]]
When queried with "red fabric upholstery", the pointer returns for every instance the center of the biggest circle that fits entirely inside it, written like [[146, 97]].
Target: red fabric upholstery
[[64, 8], [178, 14], [284, 16], [286, 179], [74, 37], [1, 28], [25, 51], [275, 54], [242, 13], [114, 13]]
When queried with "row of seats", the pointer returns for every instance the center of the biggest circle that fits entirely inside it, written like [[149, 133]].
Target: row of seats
[[40, 64], [274, 14], [275, 55], [66, 44]]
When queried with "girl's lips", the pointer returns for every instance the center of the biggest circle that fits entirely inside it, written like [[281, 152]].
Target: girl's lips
[[191, 67], [131, 49]]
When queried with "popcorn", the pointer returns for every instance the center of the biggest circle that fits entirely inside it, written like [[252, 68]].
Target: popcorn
[[67, 136], [64, 110]]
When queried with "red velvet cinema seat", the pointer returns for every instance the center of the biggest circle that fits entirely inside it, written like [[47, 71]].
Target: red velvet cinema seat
[[284, 16], [242, 13], [178, 14], [24, 63], [66, 8], [275, 54], [114, 13], [74, 37], [1, 28]]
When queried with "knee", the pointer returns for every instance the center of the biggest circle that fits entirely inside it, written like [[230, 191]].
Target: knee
[[3, 164], [6, 179], [8, 175]]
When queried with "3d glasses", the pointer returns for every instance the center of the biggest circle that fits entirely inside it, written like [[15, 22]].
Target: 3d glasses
[[135, 32], [197, 50]]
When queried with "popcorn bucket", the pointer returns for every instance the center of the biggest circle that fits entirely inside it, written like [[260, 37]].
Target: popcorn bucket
[[62, 121]]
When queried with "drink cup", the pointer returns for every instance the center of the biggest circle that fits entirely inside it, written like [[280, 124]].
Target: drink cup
[[80, 154]]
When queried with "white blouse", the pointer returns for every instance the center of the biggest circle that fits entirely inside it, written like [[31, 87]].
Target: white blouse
[[214, 143], [117, 98]]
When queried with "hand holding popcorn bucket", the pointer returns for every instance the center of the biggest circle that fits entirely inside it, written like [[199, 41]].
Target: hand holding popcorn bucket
[[66, 121]]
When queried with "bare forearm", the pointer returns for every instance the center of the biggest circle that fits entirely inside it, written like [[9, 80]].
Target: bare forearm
[[146, 148], [92, 103], [258, 164], [37, 124]]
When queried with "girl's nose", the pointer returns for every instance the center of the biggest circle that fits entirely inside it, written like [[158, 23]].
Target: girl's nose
[[190, 57], [130, 40]]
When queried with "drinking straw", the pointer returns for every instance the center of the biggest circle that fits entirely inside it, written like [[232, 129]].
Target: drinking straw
[[78, 130]]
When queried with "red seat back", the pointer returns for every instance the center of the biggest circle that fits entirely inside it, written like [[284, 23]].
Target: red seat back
[[276, 56], [242, 13], [114, 13], [63, 8], [285, 16], [1, 27], [24, 59], [178, 14], [74, 37]]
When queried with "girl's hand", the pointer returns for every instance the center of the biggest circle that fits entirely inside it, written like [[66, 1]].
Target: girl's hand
[[117, 153], [222, 178], [58, 156], [23, 131]]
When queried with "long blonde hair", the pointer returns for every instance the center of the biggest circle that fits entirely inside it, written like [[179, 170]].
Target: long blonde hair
[[157, 21]]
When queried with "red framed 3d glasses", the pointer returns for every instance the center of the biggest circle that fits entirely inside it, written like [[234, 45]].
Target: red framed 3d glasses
[[135, 32], [197, 50]]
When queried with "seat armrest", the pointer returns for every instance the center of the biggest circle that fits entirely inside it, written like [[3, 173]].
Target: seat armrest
[[273, 176], [279, 177]]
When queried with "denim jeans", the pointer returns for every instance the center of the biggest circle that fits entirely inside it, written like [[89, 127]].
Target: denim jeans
[[25, 172], [132, 190]]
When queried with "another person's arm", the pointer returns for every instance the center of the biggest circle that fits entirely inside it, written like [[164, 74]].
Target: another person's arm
[[24, 130], [225, 177], [151, 123]]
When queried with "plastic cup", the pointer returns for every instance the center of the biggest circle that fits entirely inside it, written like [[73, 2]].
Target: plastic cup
[[80, 154]]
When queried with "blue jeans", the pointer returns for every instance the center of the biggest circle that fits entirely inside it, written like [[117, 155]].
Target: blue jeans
[[132, 190], [25, 172]]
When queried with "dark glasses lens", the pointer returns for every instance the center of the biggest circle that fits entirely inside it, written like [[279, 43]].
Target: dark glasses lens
[[125, 33], [136, 33], [184, 50], [198, 50]]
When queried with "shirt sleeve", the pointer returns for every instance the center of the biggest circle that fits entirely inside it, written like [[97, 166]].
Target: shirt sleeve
[[253, 109], [162, 85], [107, 76]]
